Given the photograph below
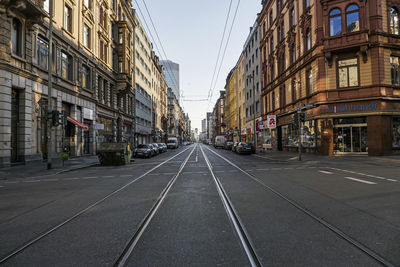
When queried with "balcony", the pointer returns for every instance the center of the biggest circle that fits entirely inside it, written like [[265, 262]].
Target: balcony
[[33, 10]]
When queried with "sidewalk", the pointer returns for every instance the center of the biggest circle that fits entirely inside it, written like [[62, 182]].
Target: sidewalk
[[285, 156], [39, 168]]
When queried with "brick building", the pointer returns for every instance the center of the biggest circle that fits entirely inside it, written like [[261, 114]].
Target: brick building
[[342, 56]]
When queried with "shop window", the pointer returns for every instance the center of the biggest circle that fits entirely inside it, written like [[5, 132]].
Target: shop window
[[352, 18], [86, 35], [335, 22], [308, 134], [289, 135], [394, 70], [394, 21], [66, 66], [42, 52], [68, 18], [86, 77], [348, 72], [16, 37], [396, 132]]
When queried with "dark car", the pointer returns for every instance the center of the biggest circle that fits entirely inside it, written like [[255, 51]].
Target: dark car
[[155, 147], [144, 151], [243, 148], [253, 147], [161, 147], [228, 145]]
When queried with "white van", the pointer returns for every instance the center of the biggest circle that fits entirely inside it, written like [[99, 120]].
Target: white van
[[219, 141], [172, 142]]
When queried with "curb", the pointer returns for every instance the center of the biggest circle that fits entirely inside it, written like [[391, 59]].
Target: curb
[[78, 168]]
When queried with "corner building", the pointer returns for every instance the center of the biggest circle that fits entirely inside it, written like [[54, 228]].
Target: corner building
[[342, 56]]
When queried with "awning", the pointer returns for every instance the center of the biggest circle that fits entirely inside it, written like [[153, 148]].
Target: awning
[[77, 123]]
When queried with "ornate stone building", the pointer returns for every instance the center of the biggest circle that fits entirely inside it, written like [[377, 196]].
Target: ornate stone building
[[342, 56], [93, 59]]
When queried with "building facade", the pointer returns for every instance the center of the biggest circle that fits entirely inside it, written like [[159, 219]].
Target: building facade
[[171, 73], [342, 56], [252, 75], [91, 86], [218, 117]]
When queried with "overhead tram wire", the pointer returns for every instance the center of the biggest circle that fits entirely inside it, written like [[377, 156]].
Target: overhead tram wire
[[223, 55], [152, 37], [159, 40], [219, 50]]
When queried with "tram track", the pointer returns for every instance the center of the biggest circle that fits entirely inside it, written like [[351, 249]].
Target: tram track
[[126, 253], [71, 218], [361, 247]]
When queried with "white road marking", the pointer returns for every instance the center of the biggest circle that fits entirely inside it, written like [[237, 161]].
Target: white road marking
[[126, 175], [1, 186], [92, 177], [262, 169], [16, 182], [51, 180], [364, 174], [197, 158], [359, 180], [34, 181], [392, 180], [107, 176], [326, 172]]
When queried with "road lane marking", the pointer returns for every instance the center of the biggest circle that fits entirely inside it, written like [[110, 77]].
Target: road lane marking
[[109, 176], [16, 182], [326, 172], [392, 180], [126, 175], [359, 180], [92, 177], [364, 174], [70, 179], [34, 181]]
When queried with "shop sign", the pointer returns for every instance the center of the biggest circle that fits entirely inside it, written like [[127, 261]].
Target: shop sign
[[271, 121], [99, 126], [243, 131], [260, 125], [349, 108], [88, 114]]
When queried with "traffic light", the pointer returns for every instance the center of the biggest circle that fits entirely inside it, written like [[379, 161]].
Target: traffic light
[[56, 119], [296, 119], [302, 117]]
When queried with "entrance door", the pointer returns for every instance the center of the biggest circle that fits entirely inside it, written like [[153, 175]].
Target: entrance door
[[14, 125], [87, 142], [350, 139]]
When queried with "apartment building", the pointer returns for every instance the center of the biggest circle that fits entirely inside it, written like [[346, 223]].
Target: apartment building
[[342, 56], [218, 122], [91, 85]]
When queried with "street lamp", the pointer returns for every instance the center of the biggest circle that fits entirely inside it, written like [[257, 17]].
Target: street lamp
[[251, 76]]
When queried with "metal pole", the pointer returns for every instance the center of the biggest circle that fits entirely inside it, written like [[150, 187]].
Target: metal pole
[[298, 113], [49, 88]]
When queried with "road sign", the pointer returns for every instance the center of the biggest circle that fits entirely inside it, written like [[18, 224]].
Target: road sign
[[271, 121], [99, 126]]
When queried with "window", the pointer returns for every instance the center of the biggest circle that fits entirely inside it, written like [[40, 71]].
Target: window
[[120, 65], [282, 96], [292, 18], [307, 40], [294, 96], [257, 104], [120, 35], [257, 70], [348, 72], [86, 35], [103, 51], [273, 100], [352, 18], [395, 70], [68, 18], [278, 5], [292, 53], [87, 3], [335, 22], [66, 66], [271, 18], [309, 81], [85, 77], [256, 52], [279, 34], [46, 6], [306, 4], [42, 52], [271, 42], [16, 37], [394, 21], [396, 132]]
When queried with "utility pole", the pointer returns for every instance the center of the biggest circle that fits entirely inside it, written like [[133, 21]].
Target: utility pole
[[49, 88]]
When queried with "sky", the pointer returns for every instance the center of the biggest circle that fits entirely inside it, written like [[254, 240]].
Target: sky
[[190, 33]]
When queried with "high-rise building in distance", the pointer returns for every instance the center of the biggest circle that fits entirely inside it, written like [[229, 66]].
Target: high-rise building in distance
[[171, 73]]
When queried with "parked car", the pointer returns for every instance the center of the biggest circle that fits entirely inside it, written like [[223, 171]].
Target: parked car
[[172, 142], [253, 147], [228, 145], [243, 148], [144, 151], [219, 141], [156, 149], [161, 147], [234, 146]]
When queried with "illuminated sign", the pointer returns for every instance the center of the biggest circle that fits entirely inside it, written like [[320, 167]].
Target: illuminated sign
[[349, 108]]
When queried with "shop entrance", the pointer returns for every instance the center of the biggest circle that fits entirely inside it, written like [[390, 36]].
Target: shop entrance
[[350, 139]]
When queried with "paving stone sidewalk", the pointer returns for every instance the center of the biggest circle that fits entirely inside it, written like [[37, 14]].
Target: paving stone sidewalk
[[39, 168]]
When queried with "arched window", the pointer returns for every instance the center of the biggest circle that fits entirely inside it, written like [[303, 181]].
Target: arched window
[[352, 18], [394, 21], [335, 22], [16, 36]]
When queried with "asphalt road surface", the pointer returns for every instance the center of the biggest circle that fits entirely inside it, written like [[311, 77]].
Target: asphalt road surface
[[200, 206]]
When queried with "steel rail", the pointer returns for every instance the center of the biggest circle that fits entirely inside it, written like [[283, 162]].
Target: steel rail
[[234, 218], [123, 258], [76, 215], [334, 229]]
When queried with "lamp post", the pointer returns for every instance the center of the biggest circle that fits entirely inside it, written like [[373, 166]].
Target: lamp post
[[251, 76], [49, 87]]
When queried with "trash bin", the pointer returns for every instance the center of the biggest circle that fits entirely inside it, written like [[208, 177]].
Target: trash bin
[[113, 154]]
